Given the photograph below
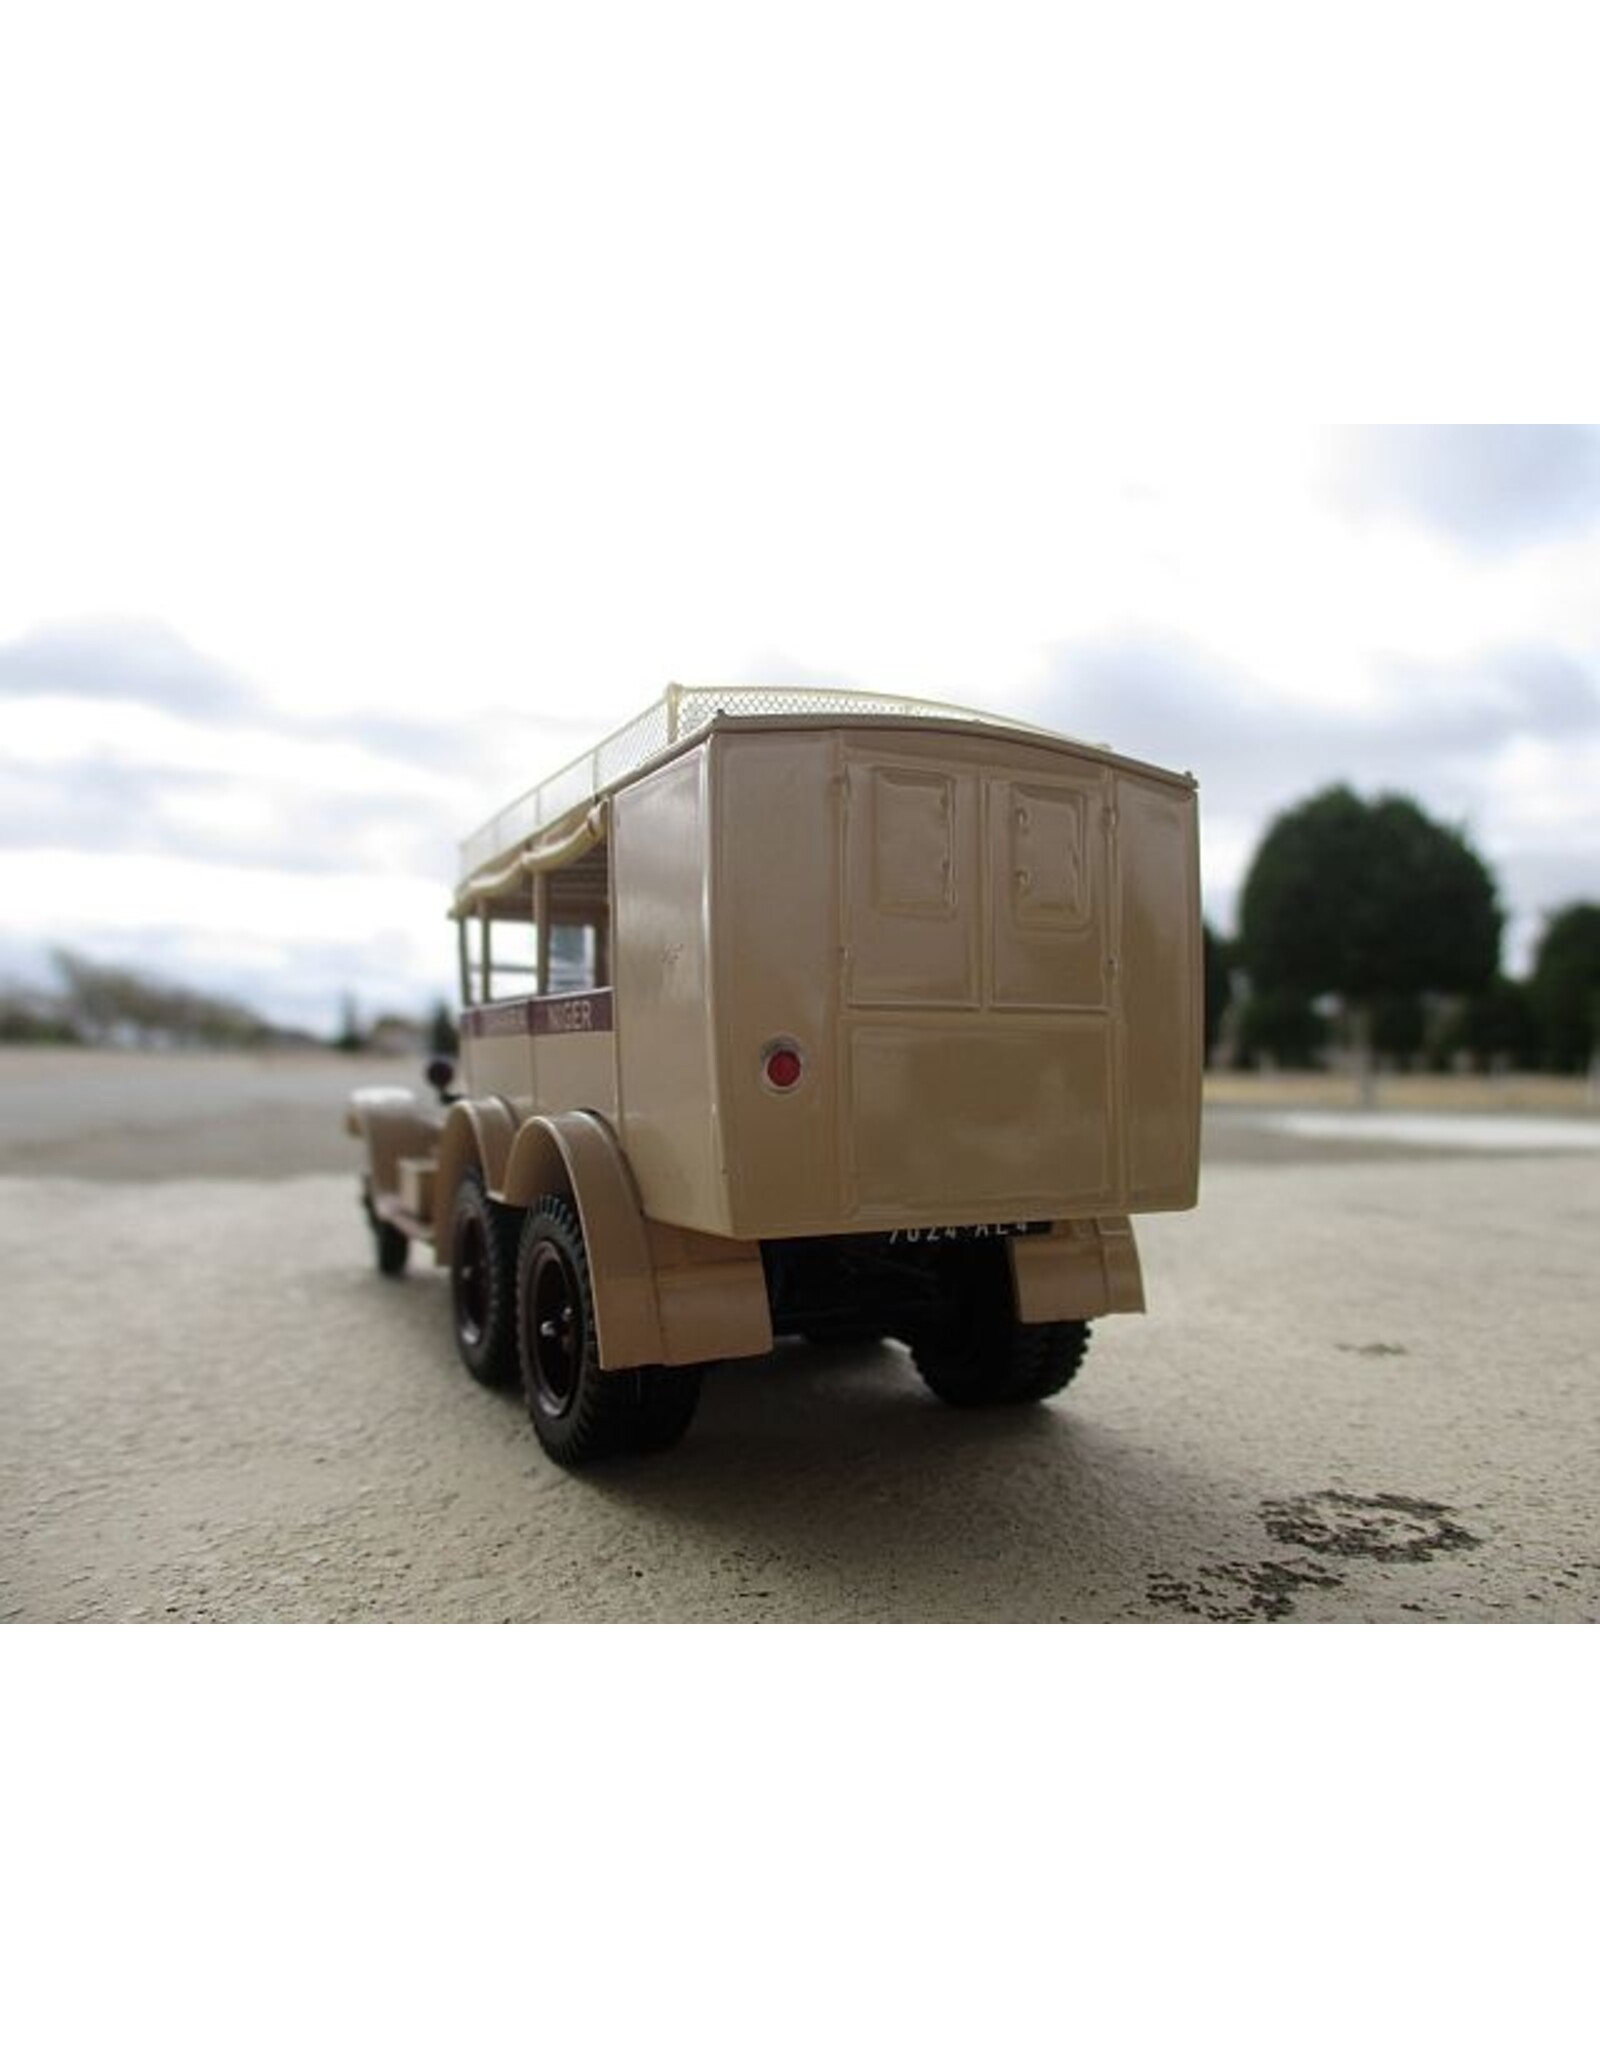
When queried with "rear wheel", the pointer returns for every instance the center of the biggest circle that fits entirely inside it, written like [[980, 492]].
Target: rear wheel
[[483, 1251], [979, 1355], [579, 1412]]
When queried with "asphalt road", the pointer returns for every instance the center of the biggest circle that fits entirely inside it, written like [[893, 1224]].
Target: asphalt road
[[1367, 1389]]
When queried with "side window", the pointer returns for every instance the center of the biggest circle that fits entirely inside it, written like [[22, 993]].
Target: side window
[[572, 959], [505, 954], [499, 957], [578, 907], [471, 933]]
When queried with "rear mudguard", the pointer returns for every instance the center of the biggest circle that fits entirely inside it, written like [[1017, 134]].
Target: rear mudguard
[[662, 1296], [1079, 1270]]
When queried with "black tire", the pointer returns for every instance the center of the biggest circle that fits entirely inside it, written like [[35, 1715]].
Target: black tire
[[483, 1285], [392, 1247], [980, 1355], [580, 1413]]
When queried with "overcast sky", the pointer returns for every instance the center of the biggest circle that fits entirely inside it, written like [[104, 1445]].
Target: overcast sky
[[386, 411]]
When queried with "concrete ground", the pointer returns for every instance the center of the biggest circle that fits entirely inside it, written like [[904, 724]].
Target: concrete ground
[[1367, 1389]]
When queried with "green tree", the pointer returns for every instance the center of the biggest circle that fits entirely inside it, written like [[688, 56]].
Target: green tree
[[100, 1003], [1281, 1028], [1399, 1026], [1564, 989], [351, 1037], [1494, 1028], [443, 1038], [1371, 902], [1219, 984], [27, 1018]]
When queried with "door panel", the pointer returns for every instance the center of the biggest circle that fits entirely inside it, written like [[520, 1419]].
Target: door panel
[[912, 885], [1048, 859]]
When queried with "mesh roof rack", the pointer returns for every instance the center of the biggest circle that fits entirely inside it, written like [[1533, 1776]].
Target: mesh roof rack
[[678, 715]]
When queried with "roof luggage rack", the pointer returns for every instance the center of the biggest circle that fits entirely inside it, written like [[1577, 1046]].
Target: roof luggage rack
[[556, 807]]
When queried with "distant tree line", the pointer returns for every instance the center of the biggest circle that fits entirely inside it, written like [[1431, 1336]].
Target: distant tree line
[[1371, 930], [1366, 930], [95, 1004], [395, 1034]]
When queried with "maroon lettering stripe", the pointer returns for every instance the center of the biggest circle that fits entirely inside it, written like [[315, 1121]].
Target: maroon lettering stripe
[[496, 1020], [541, 1016], [556, 1016]]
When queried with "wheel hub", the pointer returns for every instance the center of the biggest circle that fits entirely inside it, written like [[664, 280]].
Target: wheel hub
[[557, 1334], [471, 1274]]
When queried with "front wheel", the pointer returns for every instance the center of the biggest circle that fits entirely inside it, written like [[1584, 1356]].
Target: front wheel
[[391, 1246], [979, 1355], [483, 1250], [580, 1413]]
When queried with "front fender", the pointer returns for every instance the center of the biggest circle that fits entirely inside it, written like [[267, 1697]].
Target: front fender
[[395, 1125]]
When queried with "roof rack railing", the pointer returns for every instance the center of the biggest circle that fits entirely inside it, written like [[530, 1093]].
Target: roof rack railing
[[683, 710]]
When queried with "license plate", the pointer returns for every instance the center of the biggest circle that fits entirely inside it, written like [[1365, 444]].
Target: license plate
[[964, 1233]]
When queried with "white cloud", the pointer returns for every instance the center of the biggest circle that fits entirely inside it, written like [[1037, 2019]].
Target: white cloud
[[290, 944], [1491, 488], [451, 393], [246, 907]]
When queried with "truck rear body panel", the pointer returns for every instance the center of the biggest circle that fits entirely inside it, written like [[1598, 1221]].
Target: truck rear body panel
[[984, 947]]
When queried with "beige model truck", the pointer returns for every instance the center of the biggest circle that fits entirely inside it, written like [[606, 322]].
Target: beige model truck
[[802, 1013]]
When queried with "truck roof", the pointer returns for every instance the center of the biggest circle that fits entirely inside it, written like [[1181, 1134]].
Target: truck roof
[[554, 810]]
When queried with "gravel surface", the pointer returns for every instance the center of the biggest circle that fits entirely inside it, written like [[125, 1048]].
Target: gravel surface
[[131, 1116], [1366, 1390]]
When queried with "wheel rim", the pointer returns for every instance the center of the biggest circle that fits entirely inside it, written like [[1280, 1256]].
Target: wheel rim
[[470, 1272], [555, 1331]]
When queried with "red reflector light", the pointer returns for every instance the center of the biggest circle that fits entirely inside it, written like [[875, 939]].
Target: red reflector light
[[783, 1067]]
